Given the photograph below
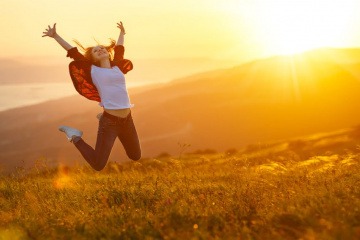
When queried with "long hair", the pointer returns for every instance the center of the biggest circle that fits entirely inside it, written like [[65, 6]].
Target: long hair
[[87, 50]]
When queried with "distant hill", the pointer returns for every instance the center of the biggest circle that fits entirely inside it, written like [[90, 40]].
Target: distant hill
[[55, 69], [15, 71], [265, 100]]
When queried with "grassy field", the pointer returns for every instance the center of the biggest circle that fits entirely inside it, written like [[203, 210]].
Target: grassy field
[[300, 189]]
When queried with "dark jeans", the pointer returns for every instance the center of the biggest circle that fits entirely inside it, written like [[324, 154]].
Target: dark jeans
[[110, 127]]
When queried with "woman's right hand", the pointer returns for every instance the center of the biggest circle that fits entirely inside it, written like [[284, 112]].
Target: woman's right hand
[[50, 32]]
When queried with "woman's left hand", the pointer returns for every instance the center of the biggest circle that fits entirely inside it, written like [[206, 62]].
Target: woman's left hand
[[120, 25]]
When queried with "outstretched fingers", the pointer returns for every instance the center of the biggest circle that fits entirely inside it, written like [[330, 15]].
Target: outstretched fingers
[[121, 26], [50, 31]]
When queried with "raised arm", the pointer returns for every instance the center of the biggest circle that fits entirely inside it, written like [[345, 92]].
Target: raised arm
[[51, 32], [119, 48], [72, 52], [120, 40], [124, 64]]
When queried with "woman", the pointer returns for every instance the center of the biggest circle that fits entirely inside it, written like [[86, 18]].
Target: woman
[[98, 77]]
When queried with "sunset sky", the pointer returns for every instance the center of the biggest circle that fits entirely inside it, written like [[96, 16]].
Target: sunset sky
[[236, 29]]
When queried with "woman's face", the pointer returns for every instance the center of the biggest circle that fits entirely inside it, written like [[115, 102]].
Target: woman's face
[[99, 52]]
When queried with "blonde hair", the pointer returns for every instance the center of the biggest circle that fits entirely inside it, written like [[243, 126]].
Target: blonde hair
[[88, 50]]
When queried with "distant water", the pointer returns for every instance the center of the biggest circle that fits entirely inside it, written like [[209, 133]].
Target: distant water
[[24, 94]]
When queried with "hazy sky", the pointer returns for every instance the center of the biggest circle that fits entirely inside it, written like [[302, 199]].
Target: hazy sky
[[237, 29]]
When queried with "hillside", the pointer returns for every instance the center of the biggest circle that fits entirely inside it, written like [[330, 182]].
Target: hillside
[[17, 71], [55, 69], [304, 188], [265, 100]]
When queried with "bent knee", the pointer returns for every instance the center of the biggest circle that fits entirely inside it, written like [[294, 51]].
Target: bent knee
[[99, 167], [135, 157]]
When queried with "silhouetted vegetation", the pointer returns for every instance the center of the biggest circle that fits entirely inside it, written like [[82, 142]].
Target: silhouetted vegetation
[[231, 151], [163, 155], [204, 152]]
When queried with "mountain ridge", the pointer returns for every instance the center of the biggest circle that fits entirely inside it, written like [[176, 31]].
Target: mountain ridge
[[259, 101]]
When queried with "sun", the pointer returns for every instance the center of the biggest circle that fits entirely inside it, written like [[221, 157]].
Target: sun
[[289, 26], [297, 26]]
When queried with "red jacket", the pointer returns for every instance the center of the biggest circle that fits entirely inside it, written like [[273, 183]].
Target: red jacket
[[80, 71]]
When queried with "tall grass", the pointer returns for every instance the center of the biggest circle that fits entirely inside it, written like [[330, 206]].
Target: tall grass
[[257, 195]]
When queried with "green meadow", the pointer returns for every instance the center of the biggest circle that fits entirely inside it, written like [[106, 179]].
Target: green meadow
[[300, 189]]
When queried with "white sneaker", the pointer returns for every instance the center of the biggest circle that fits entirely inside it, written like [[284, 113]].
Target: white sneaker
[[70, 132]]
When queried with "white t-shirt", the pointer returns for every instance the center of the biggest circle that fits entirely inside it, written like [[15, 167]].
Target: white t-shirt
[[111, 86]]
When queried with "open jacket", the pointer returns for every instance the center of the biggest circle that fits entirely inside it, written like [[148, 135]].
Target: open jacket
[[80, 71]]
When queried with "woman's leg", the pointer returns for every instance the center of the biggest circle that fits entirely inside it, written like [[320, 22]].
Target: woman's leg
[[98, 157], [128, 136]]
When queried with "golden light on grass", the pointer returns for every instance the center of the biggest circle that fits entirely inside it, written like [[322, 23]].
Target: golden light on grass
[[14, 233], [63, 180], [267, 193], [273, 167]]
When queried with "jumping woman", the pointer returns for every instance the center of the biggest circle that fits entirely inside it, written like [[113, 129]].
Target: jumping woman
[[98, 76]]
